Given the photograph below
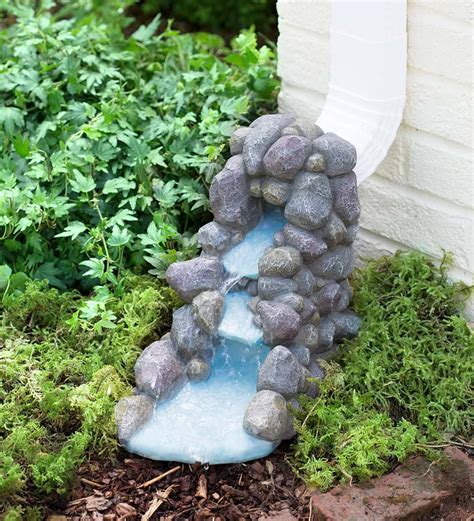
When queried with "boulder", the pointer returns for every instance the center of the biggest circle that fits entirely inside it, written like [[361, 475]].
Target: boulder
[[331, 298], [335, 231], [339, 155], [280, 262], [305, 281], [286, 157], [326, 331], [335, 264], [270, 287], [189, 278], [214, 238], [301, 353], [159, 371], [198, 370], [264, 131], [131, 413], [310, 204], [236, 142], [310, 244], [266, 416], [208, 307], [347, 324], [308, 336], [280, 323], [346, 199], [188, 337], [230, 198], [280, 372], [275, 192], [308, 310]]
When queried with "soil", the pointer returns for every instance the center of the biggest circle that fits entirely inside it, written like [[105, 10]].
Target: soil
[[259, 490]]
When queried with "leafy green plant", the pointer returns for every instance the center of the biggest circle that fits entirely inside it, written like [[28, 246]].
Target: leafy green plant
[[109, 143], [405, 382], [59, 383]]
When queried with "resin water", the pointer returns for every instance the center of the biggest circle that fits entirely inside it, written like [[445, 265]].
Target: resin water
[[203, 422]]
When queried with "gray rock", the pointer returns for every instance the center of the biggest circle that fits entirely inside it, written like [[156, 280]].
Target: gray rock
[[352, 232], [308, 310], [236, 142], [326, 330], [335, 264], [158, 370], [315, 163], [266, 416], [346, 288], [339, 154], [275, 192], [188, 337], [310, 244], [331, 298], [301, 353], [305, 281], [189, 278], [270, 287], [257, 321], [313, 376], [335, 231], [280, 262], [292, 406], [198, 370], [308, 336], [230, 198], [310, 203], [214, 238], [264, 132], [308, 128], [291, 131], [252, 288], [346, 199], [293, 300], [256, 187], [278, 239], [252, 304], [131, 413], [280, 372], [286, 157], [280, 323], [347, 324], [315, 319], [208, 307]]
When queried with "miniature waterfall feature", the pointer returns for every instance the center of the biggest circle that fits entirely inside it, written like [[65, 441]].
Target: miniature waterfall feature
[[266, 300]]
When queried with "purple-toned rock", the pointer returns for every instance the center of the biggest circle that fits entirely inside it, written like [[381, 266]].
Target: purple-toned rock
[[340, 156], [305, 280], [189, 339], [314, 374], [280, 262], [301, 353], [347, 324], [280, 323], [158, 370], [236, 142], [230, 199], [278, 239], [189, 278], [335, 264], [308, 310], [198, 370], [270, 287], [131, 413], [266, 416], [331, 298], [308, 336], [280, 372], [286, 157], [214, 238], [208, 307], [293, 300], [275, 192], [346, 199], [335, 231], [310, 204], [310, 244], [264, 131], [326, 331]]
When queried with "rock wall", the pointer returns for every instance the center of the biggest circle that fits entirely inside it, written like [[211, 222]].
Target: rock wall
[[302, 293]]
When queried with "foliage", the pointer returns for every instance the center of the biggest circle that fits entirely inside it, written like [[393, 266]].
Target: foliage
[[406, 380], [60, 379], [226, 16], [109, 143]]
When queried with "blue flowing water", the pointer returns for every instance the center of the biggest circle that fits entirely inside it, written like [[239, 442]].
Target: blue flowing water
[[204, 421], [242, 259]]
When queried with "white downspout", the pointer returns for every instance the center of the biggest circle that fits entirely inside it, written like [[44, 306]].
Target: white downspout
[[368, 76]]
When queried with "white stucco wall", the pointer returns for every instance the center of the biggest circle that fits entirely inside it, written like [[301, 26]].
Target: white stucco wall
[[422, 195]]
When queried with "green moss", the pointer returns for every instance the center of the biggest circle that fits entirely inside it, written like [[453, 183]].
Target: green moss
[[406, 380], [60, 380]]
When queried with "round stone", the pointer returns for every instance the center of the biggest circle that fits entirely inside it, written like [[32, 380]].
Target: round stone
[[340, 156], [266, 416], [275, 192], [198, 370], [280, 262], [286, 157]]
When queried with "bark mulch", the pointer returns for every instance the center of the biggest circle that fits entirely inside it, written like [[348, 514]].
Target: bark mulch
[[137, 488]]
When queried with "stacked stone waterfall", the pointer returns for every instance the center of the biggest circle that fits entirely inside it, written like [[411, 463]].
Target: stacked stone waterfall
[[301, 296]]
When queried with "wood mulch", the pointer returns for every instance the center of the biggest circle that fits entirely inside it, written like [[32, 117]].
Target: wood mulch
[[137, 488]]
